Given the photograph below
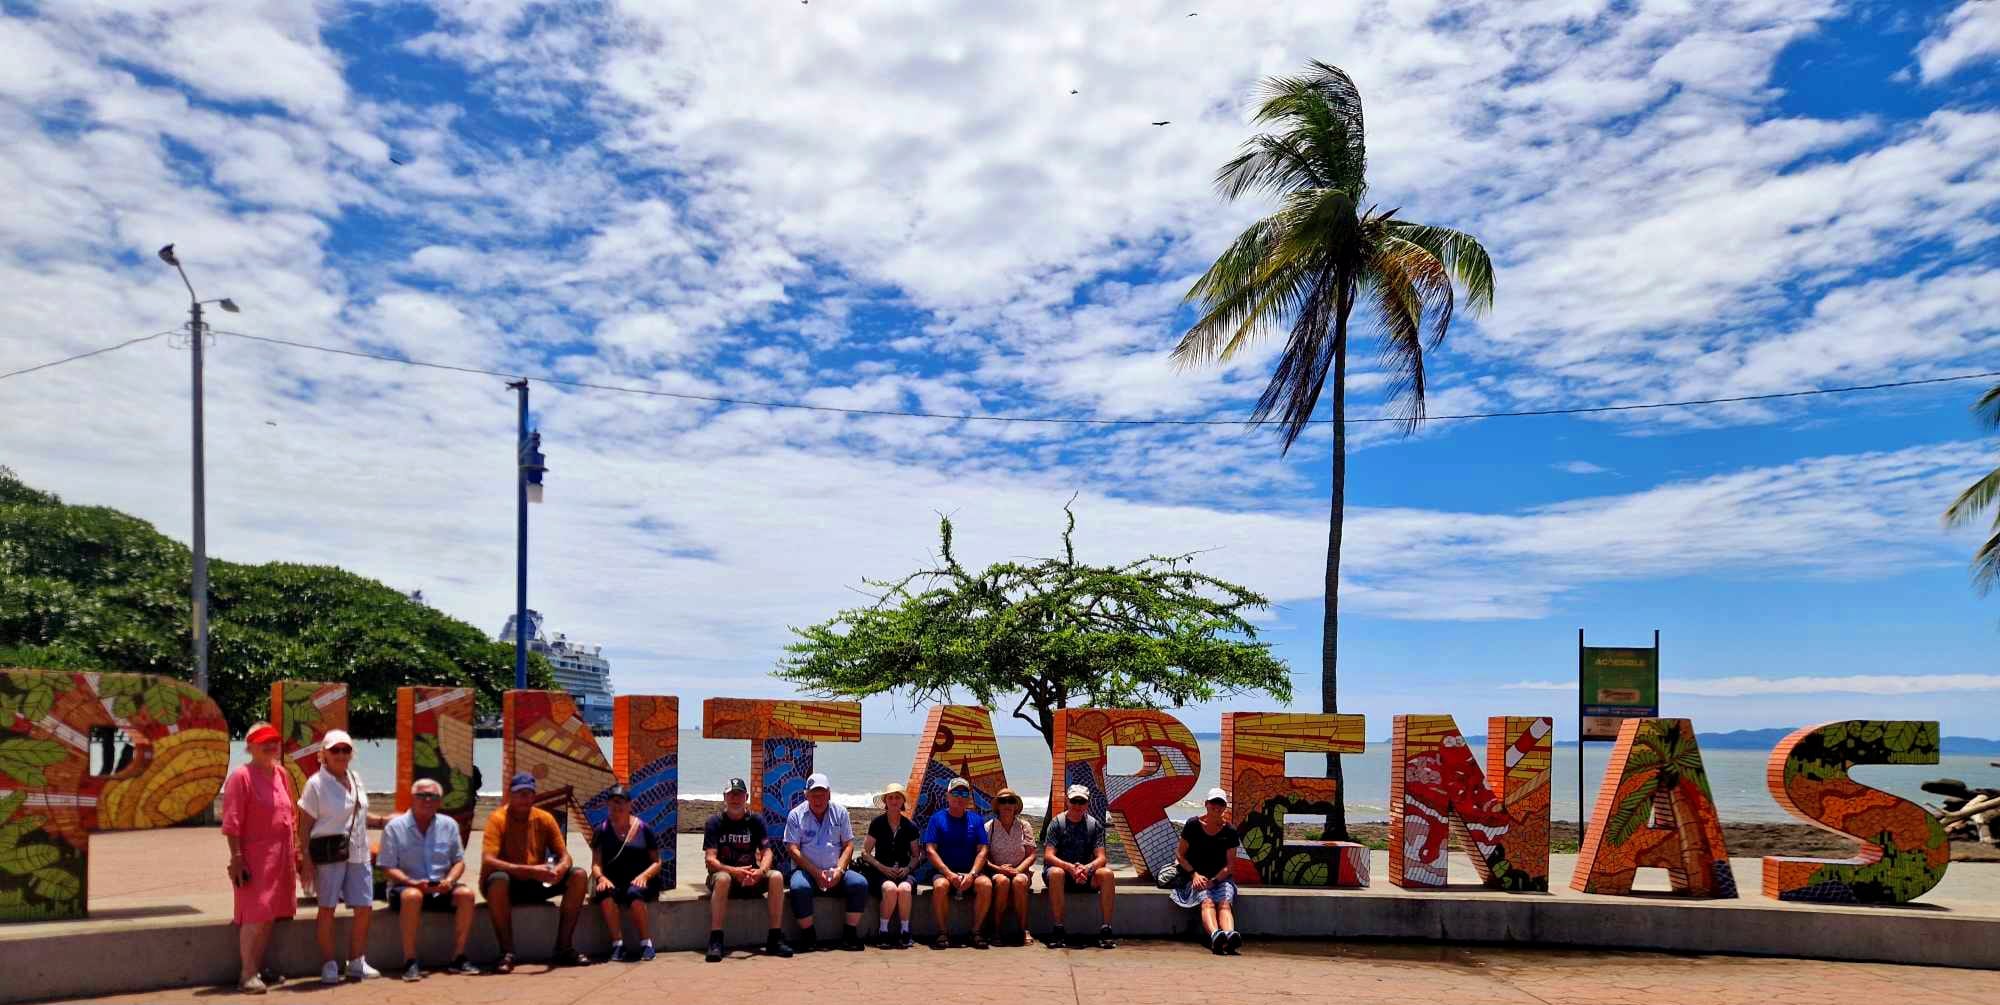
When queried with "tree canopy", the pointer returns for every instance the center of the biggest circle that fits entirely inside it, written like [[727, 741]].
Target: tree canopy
[[91, 588], [1043, 634], [1978, 497]]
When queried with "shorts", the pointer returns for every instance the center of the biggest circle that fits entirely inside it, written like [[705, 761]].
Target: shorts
[[1050, 875], [522, 891], [350, 883], [627, 894], [1220, 892], [738, 891], [434, 903], [876, 879]]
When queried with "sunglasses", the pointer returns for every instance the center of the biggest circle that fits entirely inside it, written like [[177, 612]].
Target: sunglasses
[[429, 796], [1079, 802], [340, 750]]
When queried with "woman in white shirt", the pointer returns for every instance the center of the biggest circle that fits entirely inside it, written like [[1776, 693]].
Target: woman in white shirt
[[333, 810]]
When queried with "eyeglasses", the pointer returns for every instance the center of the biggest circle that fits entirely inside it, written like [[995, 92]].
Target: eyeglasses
[[340, 750]]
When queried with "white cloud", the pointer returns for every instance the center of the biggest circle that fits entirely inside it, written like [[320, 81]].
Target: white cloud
[[1969, 35], [1734, 687], [1581, 468]]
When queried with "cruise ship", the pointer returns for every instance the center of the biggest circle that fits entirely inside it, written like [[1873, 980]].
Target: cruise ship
[[580, 670]]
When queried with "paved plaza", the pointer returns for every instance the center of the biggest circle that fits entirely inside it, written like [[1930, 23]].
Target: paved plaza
[[1151, 972]]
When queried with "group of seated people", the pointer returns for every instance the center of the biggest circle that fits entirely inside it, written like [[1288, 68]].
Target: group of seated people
[[989, 863]]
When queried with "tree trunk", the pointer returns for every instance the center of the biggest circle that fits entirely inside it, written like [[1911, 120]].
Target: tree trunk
[[1329, 656]]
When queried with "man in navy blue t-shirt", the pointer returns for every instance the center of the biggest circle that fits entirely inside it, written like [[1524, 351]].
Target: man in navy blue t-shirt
[[955, 843]]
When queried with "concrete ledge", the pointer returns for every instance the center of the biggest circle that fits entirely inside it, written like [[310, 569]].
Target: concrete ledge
[[155, 947]]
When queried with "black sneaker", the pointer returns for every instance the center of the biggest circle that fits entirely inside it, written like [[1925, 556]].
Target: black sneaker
[[462, 966], [777, 946], [1232, 942], [1055, 938], [807, 941], [1104, 939], [851, 941], [1218, 943], [714, 950]]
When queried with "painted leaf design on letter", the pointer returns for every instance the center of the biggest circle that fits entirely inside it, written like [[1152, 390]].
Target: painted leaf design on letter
[[23, 758], [25, 860], [56, 884]]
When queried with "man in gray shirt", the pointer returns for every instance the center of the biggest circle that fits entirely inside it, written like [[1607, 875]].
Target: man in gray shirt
[[1073, 850]]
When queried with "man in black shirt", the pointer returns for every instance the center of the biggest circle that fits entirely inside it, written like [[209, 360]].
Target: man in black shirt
[[738, 854]]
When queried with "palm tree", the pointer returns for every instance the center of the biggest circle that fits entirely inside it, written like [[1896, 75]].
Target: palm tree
[[1978, 496], [1305, 267]]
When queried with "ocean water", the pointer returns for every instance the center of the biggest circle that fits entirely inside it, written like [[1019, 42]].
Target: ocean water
[[859, 769]]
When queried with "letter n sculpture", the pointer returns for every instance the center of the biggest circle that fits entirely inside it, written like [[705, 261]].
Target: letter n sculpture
[[1136, 805], [49, 800], [958, 743], [1254, 745], [1654, 810], [782, 735], [1437, 792], [1904, 850], [434, 741], [303, 712]]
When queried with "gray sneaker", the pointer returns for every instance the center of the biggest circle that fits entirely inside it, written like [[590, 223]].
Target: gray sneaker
[[413, 972]]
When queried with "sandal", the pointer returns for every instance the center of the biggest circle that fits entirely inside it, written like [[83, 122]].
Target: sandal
[[943, 941], [567, 957], [506, 964]]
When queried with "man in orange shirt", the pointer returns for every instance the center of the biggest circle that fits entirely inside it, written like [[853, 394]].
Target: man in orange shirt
[[526, 862]]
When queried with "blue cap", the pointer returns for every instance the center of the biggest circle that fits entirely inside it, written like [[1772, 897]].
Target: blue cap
[[522, 780]]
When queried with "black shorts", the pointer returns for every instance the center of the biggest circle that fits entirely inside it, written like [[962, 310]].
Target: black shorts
[[523, 891], [626, 894], [738, 891], [438, 902], [876, 879], [1069, 883]]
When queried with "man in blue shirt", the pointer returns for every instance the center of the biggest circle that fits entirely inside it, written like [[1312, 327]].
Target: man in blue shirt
[[423, 858], [955, 843], [819, 840]]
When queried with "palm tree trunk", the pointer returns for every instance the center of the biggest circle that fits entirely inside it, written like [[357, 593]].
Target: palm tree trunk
[[1329, 658]]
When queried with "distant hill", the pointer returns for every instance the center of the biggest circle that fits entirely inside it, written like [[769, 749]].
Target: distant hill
[[91, 588]]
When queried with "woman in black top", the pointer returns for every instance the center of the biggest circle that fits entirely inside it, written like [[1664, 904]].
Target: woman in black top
[[1207, 858], [625, 862], [888, 856]]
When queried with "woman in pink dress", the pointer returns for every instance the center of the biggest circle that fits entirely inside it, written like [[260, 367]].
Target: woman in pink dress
[[264, 853]]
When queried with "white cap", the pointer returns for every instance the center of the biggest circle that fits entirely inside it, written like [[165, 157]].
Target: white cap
[[1079, 792], [817, 781], [334, 738], [1217, 795]]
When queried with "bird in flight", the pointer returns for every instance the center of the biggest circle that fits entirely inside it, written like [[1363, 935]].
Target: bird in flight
[[1072, 90], [398, 161], [1163, 122]]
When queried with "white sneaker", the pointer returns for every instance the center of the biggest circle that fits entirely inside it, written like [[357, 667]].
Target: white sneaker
[[329, 973], [359, 970]]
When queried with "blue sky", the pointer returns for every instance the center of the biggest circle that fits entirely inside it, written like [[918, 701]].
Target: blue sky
[[849, 204]]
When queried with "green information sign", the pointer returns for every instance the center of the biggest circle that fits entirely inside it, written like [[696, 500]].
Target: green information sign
[[1618, 684]]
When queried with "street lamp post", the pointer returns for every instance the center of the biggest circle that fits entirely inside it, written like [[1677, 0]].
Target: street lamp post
[[197, 331], [528, 467]]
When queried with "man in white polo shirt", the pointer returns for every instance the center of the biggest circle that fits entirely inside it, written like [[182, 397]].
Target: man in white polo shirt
[[820, 843]]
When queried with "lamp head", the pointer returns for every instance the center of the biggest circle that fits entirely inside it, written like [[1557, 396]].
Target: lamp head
[[167, 256], [228, 305]]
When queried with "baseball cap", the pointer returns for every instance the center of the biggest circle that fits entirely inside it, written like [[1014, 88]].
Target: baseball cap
[[334, 738], [817, 781], [958, 786], [736, 785], [1218, 796], [1079, 792], [521, 780], [618, 792]]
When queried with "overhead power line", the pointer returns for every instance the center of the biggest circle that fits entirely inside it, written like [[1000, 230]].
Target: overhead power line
[[83, 355], [1080, 420]]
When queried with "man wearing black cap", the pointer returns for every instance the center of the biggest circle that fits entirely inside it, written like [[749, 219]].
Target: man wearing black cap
[[525, 861], [739, 854]]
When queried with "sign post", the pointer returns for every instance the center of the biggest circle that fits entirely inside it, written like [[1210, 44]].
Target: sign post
[[1613, 684]]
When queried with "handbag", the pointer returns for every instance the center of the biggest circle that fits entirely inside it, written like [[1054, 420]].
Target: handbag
[[331, 849]]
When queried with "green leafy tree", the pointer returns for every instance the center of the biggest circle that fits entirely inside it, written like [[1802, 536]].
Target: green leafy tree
[[1305, 268], [1056, 632], [90, 588], [1980, 496]]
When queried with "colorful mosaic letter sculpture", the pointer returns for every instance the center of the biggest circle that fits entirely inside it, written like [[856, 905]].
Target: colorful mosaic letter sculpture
[[1904, 851], [1654, 810], [782, 736], [1436, 790], [958, 743], [542, 735], [303, 711], [49, 800], [434, 741], [1254, 745], [645, 752], [1134, 805]]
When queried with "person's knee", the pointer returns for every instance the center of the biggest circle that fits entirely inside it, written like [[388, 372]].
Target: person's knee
[[1104, 878], [497, 890], [411, 898], [1020, 882], [576, 879], [720, 883], [982, 882]]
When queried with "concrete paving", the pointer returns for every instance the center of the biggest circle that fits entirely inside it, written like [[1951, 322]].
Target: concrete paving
[[1177, 973], [161, 909]]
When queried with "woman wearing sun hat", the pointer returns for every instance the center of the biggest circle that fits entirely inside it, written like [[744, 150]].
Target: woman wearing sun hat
[[1207, 857], [264, 855], [1010, 854], [888, 855]]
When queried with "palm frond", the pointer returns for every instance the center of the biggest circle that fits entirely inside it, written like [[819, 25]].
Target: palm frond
[[1409, 287], [1986, 563], [1270, 163], [1296, 382], [1987, 408], [1462, 255], [1322, 120], [1975, 500], [1254, 286]]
